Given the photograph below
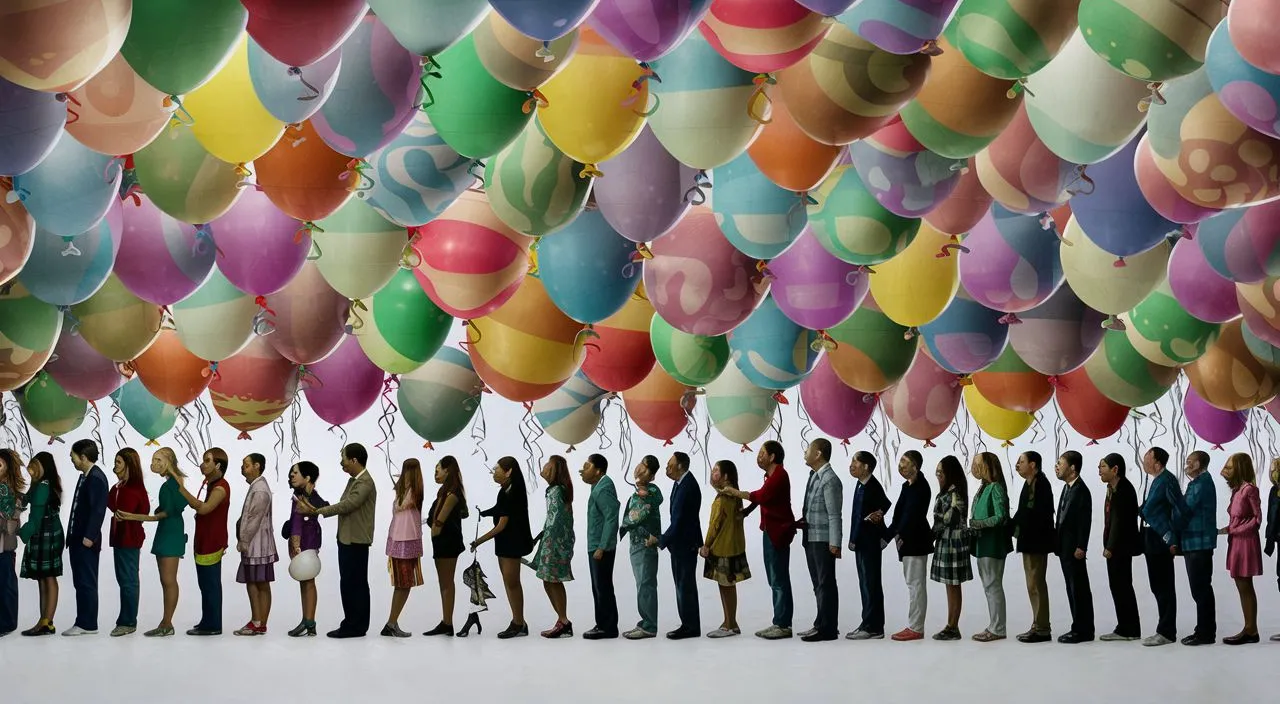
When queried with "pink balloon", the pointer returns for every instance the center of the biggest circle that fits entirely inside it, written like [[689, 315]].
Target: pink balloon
[[260, 248], [925, 402], [814, 289], [81, 371], [301, 32], [309, 317], [345, 384], [1211, 424], [1201, 290], [837, 410], [161, 259]]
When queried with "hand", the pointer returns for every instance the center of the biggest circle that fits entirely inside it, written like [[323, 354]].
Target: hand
[[295, 546], [704, 551], [436, 531], [1079, 554], [1106, 554], [1173, 549], [852, 547], [597, 555], [1222, 531], [835, 551], [304, 506], [877, 517], [474, 544], [642, 492], [239, 547], [898, 543], [650, 542], [86, 542]]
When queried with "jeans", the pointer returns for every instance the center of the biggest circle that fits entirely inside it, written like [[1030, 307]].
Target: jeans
[[822, 572], [606, 602], [684, 569], [991, 572], [777, 569], [126, 564], [353, 582], [871, 589], [1200, 575], [1075, 574], [84, 577], [1120, 579], [1036, 567], [8, 592], [1160, 577], [915, 570], [209, 577], [644, 563]]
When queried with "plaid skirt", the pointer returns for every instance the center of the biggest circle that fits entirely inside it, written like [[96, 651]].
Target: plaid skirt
[[43, 556], [951, 563], [406, 573], [727, 571]]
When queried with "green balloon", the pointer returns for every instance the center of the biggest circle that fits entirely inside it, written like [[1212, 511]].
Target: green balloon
[[440, 398], [1124, 376], [852, 225], [692, 360], [49, 409], [533, 187], [145, 413], [27, 322], [870, 336], [177, 46], [1119, 32], [997, 38], [470, 109], [183, 179], [405, 328], [1163, 332]]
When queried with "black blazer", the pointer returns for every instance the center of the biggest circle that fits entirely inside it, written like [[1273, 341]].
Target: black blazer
[[89, 508], [1033, 521], [1074, 520], [684, 532], [1273, 519], [911, 520], [1120, 525], [863, 534]]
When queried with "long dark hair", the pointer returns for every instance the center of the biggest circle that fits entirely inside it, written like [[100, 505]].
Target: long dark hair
[[49, 473], [729, 471], [560, 477], [515, 482], [132, 466], [452, 481], [995, 474], [953, 476]]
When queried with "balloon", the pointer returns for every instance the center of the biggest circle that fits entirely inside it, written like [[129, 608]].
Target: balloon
[[964, 207], [346, 384], [1013, 263], [914, 287], [814, 289], [216, 321], [1151, 41], [71, 190], [837, 410], [1123, 375], [177, 47], [999, 423], [1229, 376], [906, 178], [417, 175], [771, 351], [645, 194], [924, 403], [48, 408], [519, 61], [660, 405], [1160, 193], [1086, 410], [1010, 384], [1108, 284], [161, 260], [1114, 213], [57, 45], [359, 251], [738, 409], [572, 412], [379, 90], [184, 180], [967, 337], [1202, 291], [1164, 332], [899, 26], [308, 324], [116, 323], [692, 360], [545, 20], [254, 387], [762, 36], [533, 187], [788, 156], [1210, 424], [171, 373], [960, 110], [1250, 24], [872, 352], [1058, 335], [1247, 92], [852, 225], [1011, 39], [63, 271], [30, 126], [305, 178], [759, 219], [147, 415], [292, 94], [29, 330], [474, 113], [260, 248], [1243, 244], [428, 27], [81, 371], [622, 354], [1260, 305], [439, 399], [117, 112], [587, 269], [301, 32], [647, 29], [1022, 174], [403, 328], [17, 236]]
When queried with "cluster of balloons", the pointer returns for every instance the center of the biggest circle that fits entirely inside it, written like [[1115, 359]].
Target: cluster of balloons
[[888, 204]]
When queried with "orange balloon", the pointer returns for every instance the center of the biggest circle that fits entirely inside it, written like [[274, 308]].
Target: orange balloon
[[303, 176], [1229, 377], [789, 157], [657, 405], [170, 372]]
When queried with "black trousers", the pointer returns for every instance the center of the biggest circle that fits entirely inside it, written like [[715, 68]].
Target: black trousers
[[1200, 575], [353, 578], [684, 569], [84, 577], [1120, 580], [602, 591], [1079, 596], [822, 572], [1160, 577], [8, 592], [871, 589]]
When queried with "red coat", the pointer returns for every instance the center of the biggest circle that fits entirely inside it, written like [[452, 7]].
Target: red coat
[[130, 498]]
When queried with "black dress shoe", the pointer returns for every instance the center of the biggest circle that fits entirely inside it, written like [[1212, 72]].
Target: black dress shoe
[[339, 633], [441, 629], [1241, 639], [1194, 639], [1071, 637], [599, 634], [682, 633], [1034, 637], [514, 631], [819, 637]]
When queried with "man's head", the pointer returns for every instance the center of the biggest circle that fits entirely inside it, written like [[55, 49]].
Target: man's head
[[677, 465], [1068, 466], [252, 465], [84, 454], [818, 454], [862, 465], [770, 455], [909, 465], [594, 468], [1155, 460], [1028, 464], [354, 459], [1197, 462]]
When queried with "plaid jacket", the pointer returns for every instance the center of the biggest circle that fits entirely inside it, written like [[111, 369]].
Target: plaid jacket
[[1197, 515], [823, 505]]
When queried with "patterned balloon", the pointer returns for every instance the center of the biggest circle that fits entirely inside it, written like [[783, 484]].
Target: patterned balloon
[[161, 260], [964, 207], [1243, 244], [305, 178], [71, 190], [63, 271], [813, 288], [417, 175], [1011, 384], [1013, 263], [170, 372], [116, 323], [587, 269], [1202, 291], [533, 187], [31, 124], [967, 337], [925, 402], [838, 410], [57, 45], [440, 398], [572, 412], [763, 36], [1123, 375], [1022, 175], [48, 408], [117, 112], [216, 321], [1012, 38], [899, 26], [906, 178], [346, 384], [260, 248], [309, 317], [17, 236], [1261, 350], [960, 110], [1229, 376], [1151, 40], [660, 405], [1260, 305], [697, 281], [853, 225], [692, 360], [81, 371], [1247, 92], [1058, 335], [359, 250], [622, 355], [254, 387], [428, 27], [403, 328], [1106, 283], [760, 219], [647, 29], [738, 409], [1250, 24], [292, 94], [1160, 194], [915, 286], [1162, 331], [771, 351], [183, 179], [872, 352], [789, 157], [647, 191], [147, 415], [29, 330], [517, 60]]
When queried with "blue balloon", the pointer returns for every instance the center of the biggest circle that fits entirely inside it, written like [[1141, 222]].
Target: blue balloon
[[71, 190], [967, 337], [544, 20], [759, 218], [292, 97], [1115, 214], [417, 175], [1246, 91], [145, 413], [30, 125], [428, 27], [587, 269], [770, 350], [64, 271]]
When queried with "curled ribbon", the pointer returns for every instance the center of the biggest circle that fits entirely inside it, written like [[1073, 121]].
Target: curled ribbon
[[180, 114], [910, 333], [72, 115], [430, 69], [536, 99], [590, 171], [638, 86], [1082, 176], [824, 341], [931, 48], [296, 128], [264, 319], [357, 167], [760, 105], [315, 92], [410, 257], [1154, 98], [696, 195], [1010, 319], [354, 321], [948, 248]]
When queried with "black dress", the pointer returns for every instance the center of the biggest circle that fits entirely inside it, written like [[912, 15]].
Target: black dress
[[515, 540], [449, 543]]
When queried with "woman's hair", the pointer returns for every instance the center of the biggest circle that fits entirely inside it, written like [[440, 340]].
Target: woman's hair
[[452, 483], [560, 477], [953, 476], [132, 466], [171, 457], [1244, 473], [410, 482], [13, 471], [729, 471], [49, 473], [991, 469], [510, 465], [308, 470]]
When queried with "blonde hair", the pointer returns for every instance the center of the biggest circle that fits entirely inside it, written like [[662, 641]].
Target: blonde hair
[[170, 457], [1242, 466]]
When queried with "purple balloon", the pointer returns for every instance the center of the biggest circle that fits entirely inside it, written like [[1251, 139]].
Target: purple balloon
[[1013, 263], [162, 260], [1115, 213], [642, 194], [544, 20], [1202, 291], [1058, 335], [1213, 425], [81, 371], [837, 409], [260, 249], [814, 289], [828, 8], [346, 384], [647, 29], [31, 123]]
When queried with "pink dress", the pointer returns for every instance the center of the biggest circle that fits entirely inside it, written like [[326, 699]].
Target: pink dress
[[1244, 551]]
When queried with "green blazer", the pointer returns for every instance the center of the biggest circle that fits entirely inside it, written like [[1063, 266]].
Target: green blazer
[[991, 522], [602, 516]]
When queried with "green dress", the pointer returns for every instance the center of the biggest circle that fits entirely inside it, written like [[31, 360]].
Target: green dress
[[42, 535], [171, 534], [552, 562]]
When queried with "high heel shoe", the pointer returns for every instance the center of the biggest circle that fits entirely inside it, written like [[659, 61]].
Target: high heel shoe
[[442, 629], [305, 628], [472, 620]]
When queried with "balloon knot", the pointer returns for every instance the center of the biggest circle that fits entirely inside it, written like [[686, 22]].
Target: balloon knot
[[1006, 443], [760, 105], [428, 446], [1216, 447], [642, 252], [1082, 177], [1155, 97], [780, 398], [71, 250], [1010, 319], [1119, 263], [362, 181], [931, 48], [1113, 323], [697, 194], [845, 442], [668, 443], [1056, 382], [910, 333], [590, 171], [964, 380], [1091, 443], [1182, 233], [946, 250], [824, 342], [180, 114], [244, 435], [536, 100], [929, 443]]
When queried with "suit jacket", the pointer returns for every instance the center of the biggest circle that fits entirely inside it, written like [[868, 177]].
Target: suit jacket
[[1273, 518], [1120, 525], [1033, 521], [355, 510], [602, 516], [1074, 519], [88, 508], [684, 532], [911, 520], [863, 534], [823, 507]]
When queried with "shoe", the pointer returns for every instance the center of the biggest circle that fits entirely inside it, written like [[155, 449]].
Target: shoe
[[947, 633], [819, 637], [809, 632], [42, 628], [1072, 637], [638, 633], [1194, 639], [1113, 636], [1276, 637], [473, 619], [392, 630], [339, 633], [514, 631], [907, 634], [78, 631], [304, 628], [441, 629], [251, 630], [863, 635], [1157, 639], [1034, 637], [1241, 638], [774, 633], [598, 634], [122, 631], [682, 633], [560, 630], [158, 632], [987, 637], [198, 631], [723, 632]]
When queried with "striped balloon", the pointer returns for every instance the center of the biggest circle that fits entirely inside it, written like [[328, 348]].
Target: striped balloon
[[1151, 40], [147, 415], [29, 331], [647, 29], [899, 26], [417, 175], [183, 179], [359, 250], [217, 320], [64, 271], [1022, 174], [739, 410], [622, 355], [533, 186], [904, 176], [763, 36], [770, 350], [572, 412], [254, 387], [692, 360], [660, 406], [161, 260], [872, 352], [441, 397], [960, 110], [117, 111], [851, 223], [1123, 375], [403, 329], [116, 323], [758, 218], [1012, 38]]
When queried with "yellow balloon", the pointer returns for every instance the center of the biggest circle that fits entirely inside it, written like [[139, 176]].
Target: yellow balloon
[[1098, 278], [229, 120], [915, 286], [995, 421], [592, 112]]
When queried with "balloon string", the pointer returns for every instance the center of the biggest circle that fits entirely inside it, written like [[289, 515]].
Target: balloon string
[[387, 420], [1019, 86], [362, 181], [1155, 97], [315, 92], [411, 256], [931, 48], [341, 432], [1082, 176], [800, 207], [203, 242], [430, 69], [478, 432], [354, 320], [295, 414], [476, 171], [69, 317], [544, 52], [760, 105], [697, 195], [639, 85], [72, 116], [536, 100], [590, 171], [264, 320]]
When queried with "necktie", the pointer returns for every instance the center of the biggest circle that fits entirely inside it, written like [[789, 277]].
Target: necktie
[[1062, 503]]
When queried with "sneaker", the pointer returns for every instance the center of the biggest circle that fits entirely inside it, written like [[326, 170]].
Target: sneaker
[[159, 632], [639, 634], [810, 632], [724, 632], [1155, 640], [860, 634], [947, 633], [251, 630], [78, 631], [907, 634], [122, 631], [1111, 637], [774, 633]]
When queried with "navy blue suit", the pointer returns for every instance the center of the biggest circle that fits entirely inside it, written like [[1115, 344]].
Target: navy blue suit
[[88, 508], [681, 540]]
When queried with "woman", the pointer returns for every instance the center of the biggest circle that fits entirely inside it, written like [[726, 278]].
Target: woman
[[512, 540], [11, 486], [993, 542], [446, 514], [1244, 553], [303, 533], [129, 495], [555, 548], [951, 543], [404, 543], [725, 547], [43, 536], [642, 519], [256, 543], [170, 541]]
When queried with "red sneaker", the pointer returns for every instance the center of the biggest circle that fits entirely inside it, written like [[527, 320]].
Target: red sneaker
[[907, 634]]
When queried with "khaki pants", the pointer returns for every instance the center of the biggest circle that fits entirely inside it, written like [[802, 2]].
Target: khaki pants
[[1035, 567]]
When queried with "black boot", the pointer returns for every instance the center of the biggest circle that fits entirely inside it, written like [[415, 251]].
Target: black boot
[[473, 619]]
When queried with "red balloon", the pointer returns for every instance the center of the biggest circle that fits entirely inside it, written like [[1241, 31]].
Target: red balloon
[[1086, 410], [301, 32]]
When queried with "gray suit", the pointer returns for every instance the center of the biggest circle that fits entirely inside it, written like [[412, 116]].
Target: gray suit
[[823, 532]]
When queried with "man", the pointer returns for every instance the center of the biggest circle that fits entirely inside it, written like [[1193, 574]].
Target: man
[[911, 533], [681, 540], [211, 538], [355, 512], [866, 542], [823, 504], [1120, 542], [644, 521], [1197, 537], [1075, 510], [1160, 542], [84, 535], [778, 523], [602, 543], [1033, 528]]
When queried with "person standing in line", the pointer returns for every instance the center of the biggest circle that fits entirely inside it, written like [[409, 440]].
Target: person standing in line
[[993, 543], [1273, 518], [1121, 542], [256, 543], [1244, 550], [130, 496], [822, 514], [11, 488], [1075, 519], [211, 537], [512, 539], [725, 547], [553, 558], [952, 547], [866, 542], [1197, 537], [170, 541], [355, 512], [43, 536], [446, 514], [303, 533], [1160, 542], [911, 534], [1033, 531], [404, 543], [681, 540], [642, 521], [602, 544], [84, 535]]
